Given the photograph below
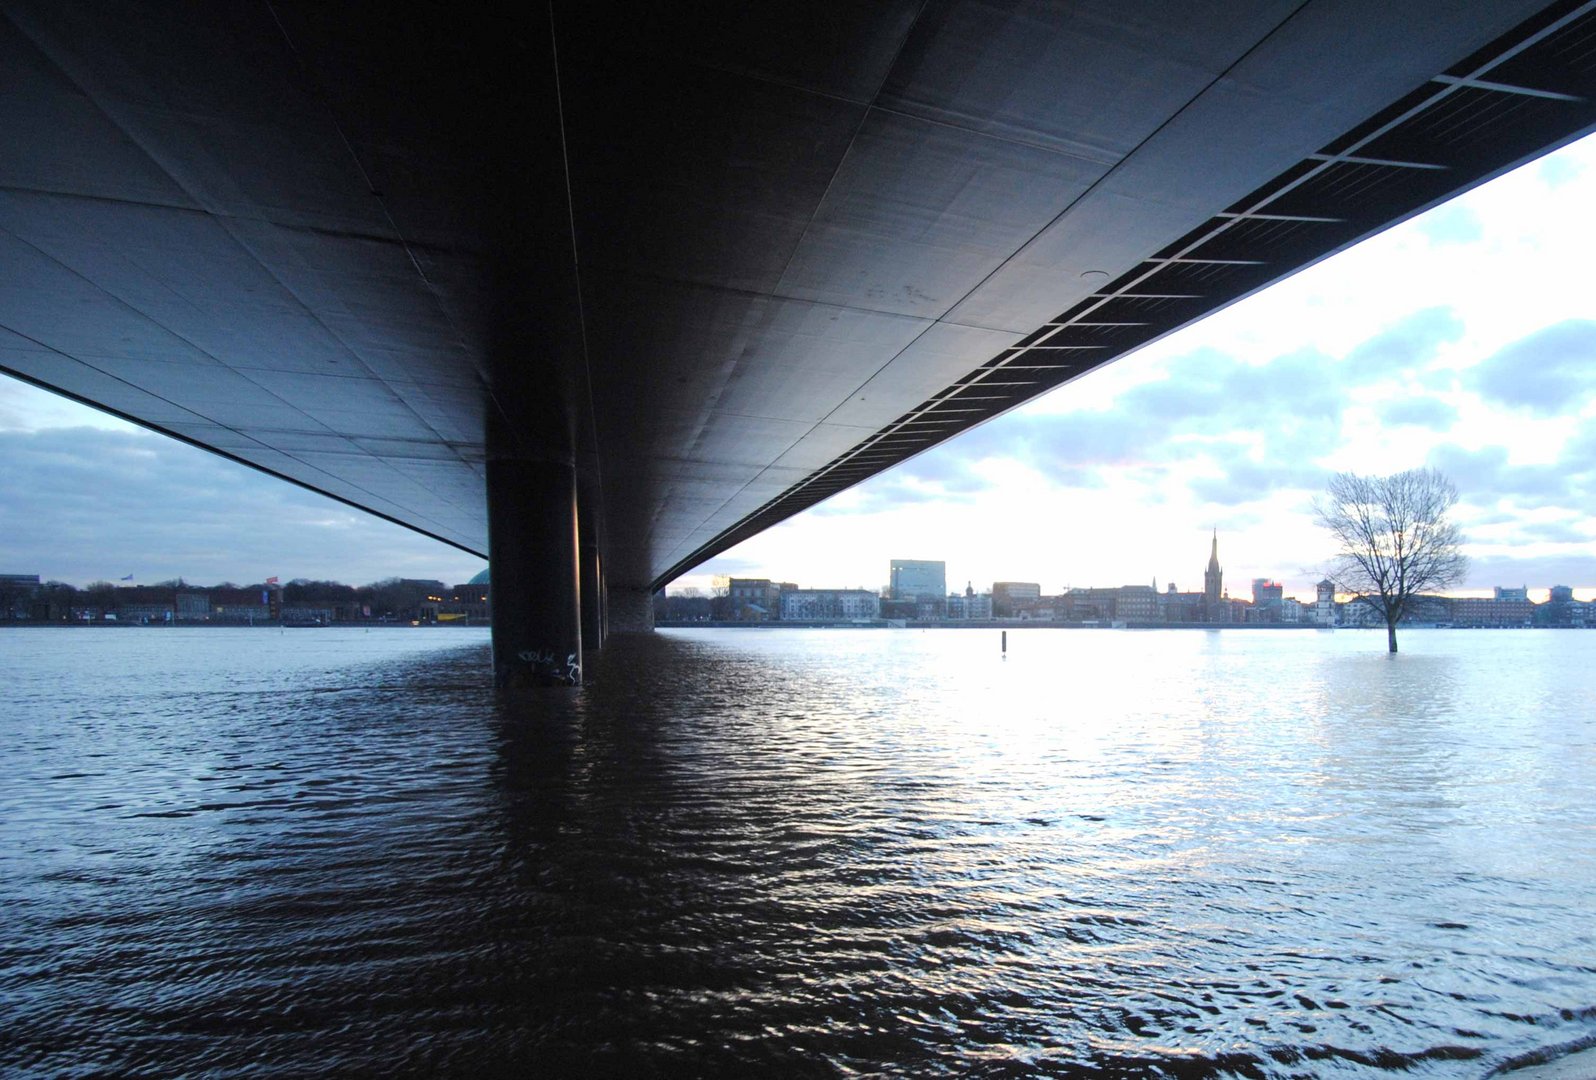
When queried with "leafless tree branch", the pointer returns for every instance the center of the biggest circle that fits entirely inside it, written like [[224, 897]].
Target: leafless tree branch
[[1393, 538]]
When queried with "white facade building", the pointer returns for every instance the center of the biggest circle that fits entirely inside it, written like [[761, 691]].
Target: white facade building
[[970, 606], [810, 605]]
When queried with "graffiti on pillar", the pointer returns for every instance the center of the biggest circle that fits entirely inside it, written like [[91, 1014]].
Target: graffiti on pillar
[[548, 666]]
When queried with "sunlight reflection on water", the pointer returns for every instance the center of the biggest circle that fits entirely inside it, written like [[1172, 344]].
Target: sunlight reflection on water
[[813, 852]]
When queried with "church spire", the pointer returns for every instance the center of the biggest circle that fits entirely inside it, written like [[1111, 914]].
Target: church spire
[[1213, 578]]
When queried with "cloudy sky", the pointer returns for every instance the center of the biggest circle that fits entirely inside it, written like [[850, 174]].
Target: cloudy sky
[[1464, 339]]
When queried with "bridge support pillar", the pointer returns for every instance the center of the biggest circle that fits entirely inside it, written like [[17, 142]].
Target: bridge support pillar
[[631, 611], [592, 583], [532, 547]]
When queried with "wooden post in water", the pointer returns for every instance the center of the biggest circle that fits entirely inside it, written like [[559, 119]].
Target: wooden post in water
[[1005, 644]]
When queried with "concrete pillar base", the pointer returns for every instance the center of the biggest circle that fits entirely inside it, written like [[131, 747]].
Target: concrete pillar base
[[592, 598], [631, 611], [532, 547]]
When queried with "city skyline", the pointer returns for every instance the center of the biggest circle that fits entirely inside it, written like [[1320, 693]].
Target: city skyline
[[1464, 339], [1238, 589]]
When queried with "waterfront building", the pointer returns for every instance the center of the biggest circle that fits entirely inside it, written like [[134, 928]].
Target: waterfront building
[[1504, 593], [1085, 605], [474, 597], [755, 599], [1009, 596], [919, 579], [247, 614], [1267, 598], [811, 605], [971, 605], [1493, 611], [144, 613], [921, 582], [479, 590], [1175, 606], [463, 604], [1324, 607], [1136, 603], [1358, 612], [1431, 609], [17, 593], [236, 605], [1561, 609], [312, 615], [192, 606]]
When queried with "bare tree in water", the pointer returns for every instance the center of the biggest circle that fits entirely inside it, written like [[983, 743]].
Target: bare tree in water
[[1394, 538]]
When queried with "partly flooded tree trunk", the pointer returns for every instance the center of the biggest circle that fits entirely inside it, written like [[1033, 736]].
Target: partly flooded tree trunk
[[1390, 634]]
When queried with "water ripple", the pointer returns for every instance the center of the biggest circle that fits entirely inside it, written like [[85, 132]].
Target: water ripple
[[815, 854]]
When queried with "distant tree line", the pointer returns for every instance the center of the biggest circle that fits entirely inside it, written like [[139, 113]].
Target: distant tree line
[[396, 598]]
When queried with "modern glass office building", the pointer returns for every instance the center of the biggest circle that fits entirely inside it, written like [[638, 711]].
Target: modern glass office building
[[919, 579]]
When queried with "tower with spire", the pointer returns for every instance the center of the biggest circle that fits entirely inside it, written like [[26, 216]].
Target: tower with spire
[[1212, 578]]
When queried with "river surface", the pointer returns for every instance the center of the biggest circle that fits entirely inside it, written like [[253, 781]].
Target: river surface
[[798, 853]]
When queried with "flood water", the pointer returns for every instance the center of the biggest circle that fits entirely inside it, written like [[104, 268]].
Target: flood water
[[807, 853]]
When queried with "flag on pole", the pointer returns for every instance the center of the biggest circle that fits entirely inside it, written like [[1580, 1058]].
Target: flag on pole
[[271, 581], [128, 578]]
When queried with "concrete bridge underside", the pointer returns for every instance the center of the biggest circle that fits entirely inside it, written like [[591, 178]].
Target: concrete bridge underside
[[602, 289]]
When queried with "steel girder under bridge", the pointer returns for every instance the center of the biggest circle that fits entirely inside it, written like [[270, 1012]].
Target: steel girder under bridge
[[606, 288]]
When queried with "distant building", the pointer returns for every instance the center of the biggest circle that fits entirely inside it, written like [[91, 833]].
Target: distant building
[[1561, 609], [1498, 611], [17, 595], [1504, 593], [1175, 606], [919, 579], [192, 606], [144, 613], [815, 605], [1231, 611], [1136, 603], [1432, 609], [922, 582], [755, 599], [1213, 584], [1358, 612], [246, 606], [971, 605], [1008, 596], [467, 603], [1267, 597], [477, 594], [1324, 606], [313, 615]]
